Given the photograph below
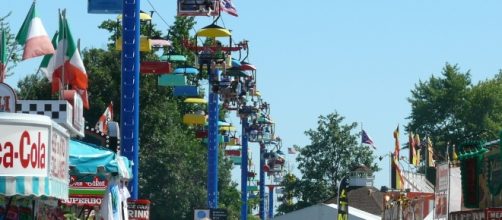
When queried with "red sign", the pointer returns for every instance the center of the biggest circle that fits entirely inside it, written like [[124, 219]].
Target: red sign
[[155, 67], [83, 201], [462, 215], [493, 213], [95, 183], [139, 209], [7, 98]]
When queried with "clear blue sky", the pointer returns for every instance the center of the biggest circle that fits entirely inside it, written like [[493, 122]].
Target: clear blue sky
[[360, 58]]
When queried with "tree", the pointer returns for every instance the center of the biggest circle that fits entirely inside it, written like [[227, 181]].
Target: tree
[[438, 107], [450, 109], [12, 48], [325, 161], [483, 117]]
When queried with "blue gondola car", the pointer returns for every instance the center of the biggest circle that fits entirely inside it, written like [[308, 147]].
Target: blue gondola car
[[186, 91], [104, 6]]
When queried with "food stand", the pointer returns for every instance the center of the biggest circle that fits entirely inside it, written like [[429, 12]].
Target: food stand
[[33, 166]]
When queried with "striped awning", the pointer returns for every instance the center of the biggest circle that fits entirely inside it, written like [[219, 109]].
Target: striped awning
[[33, 186]]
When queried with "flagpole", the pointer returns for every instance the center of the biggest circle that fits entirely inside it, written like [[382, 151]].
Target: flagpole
[[11, 51], [64, 34]]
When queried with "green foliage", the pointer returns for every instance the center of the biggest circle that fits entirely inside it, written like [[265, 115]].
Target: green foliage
[[12, 48], [439, 104], [34, 87], [450, 109], [333, 151]]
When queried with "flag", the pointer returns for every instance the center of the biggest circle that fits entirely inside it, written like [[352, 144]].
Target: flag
[[228, 7], [430, 153], [412, 148], [343, 201], [44, 65], [68, 59], [85, 97], [291, 150], [3, 55], [396, 138], [33, 36], [102, 124], [418, 149], [397, 180], [366, 139]]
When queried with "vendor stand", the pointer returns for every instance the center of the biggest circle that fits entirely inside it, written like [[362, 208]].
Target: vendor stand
[[33, 166], [96, 174]]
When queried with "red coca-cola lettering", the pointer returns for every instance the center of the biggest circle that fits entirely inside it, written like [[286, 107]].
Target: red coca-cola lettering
[[30, 154], [8, 158], [34, 153]]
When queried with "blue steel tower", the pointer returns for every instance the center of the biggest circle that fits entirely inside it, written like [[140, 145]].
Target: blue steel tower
[[129, 117], [213, 142]]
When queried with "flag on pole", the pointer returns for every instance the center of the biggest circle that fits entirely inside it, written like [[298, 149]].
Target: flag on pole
[[44, 65], [68, 59], [396, 138], [291, 150], [33, 36], [418, 149], [102, 124], [3, 54], [430, 153], [228, 7], [412, 148], [366, 139], [396, 175], [85, 97]]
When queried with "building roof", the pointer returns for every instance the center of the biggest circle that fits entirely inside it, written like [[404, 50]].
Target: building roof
[[366, 198]]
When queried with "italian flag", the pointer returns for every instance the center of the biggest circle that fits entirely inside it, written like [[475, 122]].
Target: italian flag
[[67, 60], [49, 58], [33, 36]]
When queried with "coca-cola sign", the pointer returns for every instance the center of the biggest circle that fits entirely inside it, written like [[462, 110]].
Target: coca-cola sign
[[23, 150]]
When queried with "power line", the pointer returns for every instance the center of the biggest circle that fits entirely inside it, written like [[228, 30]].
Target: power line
[[155, 10]]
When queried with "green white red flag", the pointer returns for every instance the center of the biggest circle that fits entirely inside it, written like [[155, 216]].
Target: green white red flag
[[67, 59], [33, 36], [44, 66]]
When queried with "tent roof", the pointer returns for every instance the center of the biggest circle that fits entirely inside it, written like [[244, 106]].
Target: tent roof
[[87, 157]]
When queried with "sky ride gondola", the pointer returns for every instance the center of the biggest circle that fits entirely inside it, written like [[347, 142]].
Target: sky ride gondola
[[173, 58], [145, 44], [104, 6], [198, 8], [172, 80]]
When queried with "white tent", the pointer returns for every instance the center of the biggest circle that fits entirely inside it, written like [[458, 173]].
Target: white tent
[[326, 212]]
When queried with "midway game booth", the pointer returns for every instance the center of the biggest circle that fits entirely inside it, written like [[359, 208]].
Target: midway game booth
[[33, 162]]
